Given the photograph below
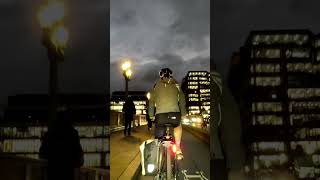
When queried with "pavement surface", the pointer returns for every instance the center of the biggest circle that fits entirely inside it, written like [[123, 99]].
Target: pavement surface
[[125, 154], [196, 156]]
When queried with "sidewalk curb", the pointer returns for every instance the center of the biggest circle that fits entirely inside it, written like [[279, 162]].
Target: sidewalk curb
[[198, 133], [137, 172], [132, 170]]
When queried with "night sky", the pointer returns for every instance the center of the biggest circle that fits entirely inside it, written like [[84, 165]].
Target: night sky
[[24, 63], [157, 34]]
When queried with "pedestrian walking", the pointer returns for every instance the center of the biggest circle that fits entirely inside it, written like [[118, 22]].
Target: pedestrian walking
[[129, 111]]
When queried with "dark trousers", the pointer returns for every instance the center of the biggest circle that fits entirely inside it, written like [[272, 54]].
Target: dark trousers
[[127, 126]]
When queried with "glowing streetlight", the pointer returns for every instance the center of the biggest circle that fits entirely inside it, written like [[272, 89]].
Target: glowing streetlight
[[51, 14], [127, 73], [148, 95], [54, 38], [126, 65]]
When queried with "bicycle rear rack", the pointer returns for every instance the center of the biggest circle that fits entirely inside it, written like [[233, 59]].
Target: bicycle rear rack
[[198, 175]]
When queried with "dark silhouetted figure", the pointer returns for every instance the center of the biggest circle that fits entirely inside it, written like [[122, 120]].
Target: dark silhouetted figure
[[61, 147], [149, 120], [129, 111]]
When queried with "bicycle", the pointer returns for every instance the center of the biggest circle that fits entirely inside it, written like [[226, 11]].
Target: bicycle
[[168, 167]]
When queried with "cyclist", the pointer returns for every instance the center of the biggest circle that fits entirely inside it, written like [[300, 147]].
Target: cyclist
[[166, 97]]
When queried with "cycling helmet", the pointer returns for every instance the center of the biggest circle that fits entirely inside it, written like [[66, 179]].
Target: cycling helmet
[[165, 73]]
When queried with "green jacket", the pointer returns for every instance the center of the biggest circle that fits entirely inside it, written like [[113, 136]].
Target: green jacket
[[167, 96]]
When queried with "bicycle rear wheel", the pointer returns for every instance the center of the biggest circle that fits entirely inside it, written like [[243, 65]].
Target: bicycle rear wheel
[[169, 165]]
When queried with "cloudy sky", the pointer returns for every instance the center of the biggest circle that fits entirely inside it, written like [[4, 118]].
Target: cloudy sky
[[24, 64], [157, 34]]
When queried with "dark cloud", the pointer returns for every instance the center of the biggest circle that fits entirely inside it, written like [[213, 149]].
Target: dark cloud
[[157, 34]]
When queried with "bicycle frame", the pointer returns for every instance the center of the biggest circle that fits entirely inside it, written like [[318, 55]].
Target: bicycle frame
[[166, 143], [198, 175]]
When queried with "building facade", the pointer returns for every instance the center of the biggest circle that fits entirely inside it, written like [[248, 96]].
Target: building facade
[[139, 99], [25, 123], [279, 100], [196, 87]]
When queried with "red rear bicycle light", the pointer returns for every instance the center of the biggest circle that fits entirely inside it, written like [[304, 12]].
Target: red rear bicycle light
[[174, 148]]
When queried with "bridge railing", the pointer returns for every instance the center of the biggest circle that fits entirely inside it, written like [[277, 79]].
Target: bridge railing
[[22, 168]]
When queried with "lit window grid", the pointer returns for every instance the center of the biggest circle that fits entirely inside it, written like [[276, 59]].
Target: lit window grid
[[305, 133], [296, 119], [21, 145], [297, 53], [33, 145], [193, 99], [193, 87], [193, 83], [204, 91], [95, 144], [194, 108], [39, 131], [267, 120], [303, 67], [94, 160], [298, 39], [265, 68], [139, 105], [197, 73], [268, 147], [266, 53], [305, 105], [267, 161], [265, 81], [267, 106], [309, 147], [296, 93], [193, 95]]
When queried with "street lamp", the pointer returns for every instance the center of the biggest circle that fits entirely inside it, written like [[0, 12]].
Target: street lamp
[[127, 73], [54, 39]]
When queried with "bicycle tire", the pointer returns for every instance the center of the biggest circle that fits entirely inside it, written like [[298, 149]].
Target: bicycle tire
[[168, 164]]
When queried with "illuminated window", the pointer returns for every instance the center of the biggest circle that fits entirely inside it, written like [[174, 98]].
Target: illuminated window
[[92, 160], [267, 53], [205, 95], [193, 83], [204, 90], [193, 99], [203, 78], [266, 81], [193, 95], [297, 119], [267, 120], [21, 145], [265, 68], [193, 78], [95, 145], [267, 106], [194, 107], [193, 87], [266, 161], [205, 99], [264, 147], [308, 147], [205, 103]]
